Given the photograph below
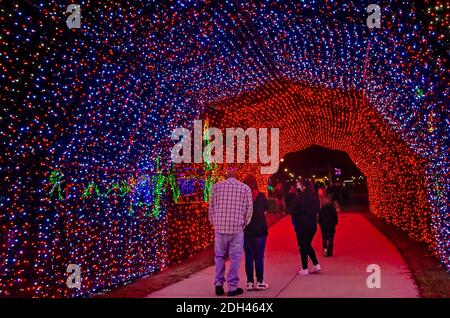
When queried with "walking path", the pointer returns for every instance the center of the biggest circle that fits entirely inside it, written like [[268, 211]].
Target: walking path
[[357, 245]]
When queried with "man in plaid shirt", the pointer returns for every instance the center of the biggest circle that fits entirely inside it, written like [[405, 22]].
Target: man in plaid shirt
[[230, 211]]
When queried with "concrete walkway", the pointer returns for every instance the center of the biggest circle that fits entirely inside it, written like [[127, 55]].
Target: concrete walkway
[[357, 245]]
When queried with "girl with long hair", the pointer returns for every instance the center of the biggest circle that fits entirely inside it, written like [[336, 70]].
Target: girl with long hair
[[305, 210]]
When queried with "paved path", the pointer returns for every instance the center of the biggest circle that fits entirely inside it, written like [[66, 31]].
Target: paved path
[[357, 245]]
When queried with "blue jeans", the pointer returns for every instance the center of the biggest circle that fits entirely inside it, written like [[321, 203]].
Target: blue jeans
[[254, 255], [230, 245]]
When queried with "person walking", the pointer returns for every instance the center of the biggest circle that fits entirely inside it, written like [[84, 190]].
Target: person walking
[[305, 209], [328, 219], [255, 237], [230, 211]]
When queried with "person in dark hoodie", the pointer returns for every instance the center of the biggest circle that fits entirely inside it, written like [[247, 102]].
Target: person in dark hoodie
[[328, 219], [305, 210]]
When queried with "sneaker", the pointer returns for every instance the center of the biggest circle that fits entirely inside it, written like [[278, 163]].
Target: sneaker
[[325, 252], [316, 268], [237, 291], [250, 286], [262, 286], [303, 272], [219, 291]]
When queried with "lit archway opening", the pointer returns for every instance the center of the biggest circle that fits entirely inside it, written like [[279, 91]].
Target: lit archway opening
[[326, 167]]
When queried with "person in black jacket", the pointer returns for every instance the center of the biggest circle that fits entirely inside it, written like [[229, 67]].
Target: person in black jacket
[[255, 237], [305, 209], [328, 219]]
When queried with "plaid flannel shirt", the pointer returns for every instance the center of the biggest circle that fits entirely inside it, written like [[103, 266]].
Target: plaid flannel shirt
[[230, 206]]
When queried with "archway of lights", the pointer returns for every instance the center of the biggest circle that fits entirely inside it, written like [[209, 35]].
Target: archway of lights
[[343, 121], [87, 114]]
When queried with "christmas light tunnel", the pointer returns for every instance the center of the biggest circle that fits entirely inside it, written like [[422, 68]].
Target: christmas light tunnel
[[87, 114]]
